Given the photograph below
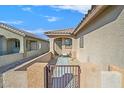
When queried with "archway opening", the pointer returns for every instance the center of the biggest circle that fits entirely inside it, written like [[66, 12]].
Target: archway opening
[[13, 45], [58, 46], [3, 45], [62, 45]]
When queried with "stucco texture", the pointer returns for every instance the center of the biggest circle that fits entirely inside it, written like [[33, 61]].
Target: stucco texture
[[36, 75], [104, 38]]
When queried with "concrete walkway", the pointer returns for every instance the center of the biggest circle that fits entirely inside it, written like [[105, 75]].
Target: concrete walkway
[[62, 76], [59, 71], [63, 61]]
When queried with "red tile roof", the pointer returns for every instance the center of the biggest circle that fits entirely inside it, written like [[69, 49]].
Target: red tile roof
[[68, 31]]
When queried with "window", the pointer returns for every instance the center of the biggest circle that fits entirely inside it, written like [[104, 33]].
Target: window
[[81, 42], [17, 44], [68, 42]]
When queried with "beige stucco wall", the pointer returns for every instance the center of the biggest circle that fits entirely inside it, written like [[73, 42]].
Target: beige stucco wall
[[11, 58], [9, 34], [15, 79], [104, 38], [22, 75], [74, 47], [90, 76], [8, 59], [111, 79], [35, 73], [43, 47], [1, 80], [3, 45], [118, 69]]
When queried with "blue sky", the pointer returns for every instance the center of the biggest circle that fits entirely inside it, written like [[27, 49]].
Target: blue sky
[[38, 19]]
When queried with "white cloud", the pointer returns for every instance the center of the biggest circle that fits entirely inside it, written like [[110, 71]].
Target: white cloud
[[28, 9], [36, 31], [39, 32], [52, 18], [15, 22], [79, 8]]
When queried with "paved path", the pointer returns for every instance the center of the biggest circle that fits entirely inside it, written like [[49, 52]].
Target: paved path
[[59, 71], [62, 76], [63, 61]]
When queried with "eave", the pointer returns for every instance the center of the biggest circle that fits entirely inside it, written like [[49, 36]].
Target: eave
[[89, 17]]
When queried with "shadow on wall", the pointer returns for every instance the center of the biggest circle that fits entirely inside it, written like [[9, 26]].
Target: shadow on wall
[[103, 19]]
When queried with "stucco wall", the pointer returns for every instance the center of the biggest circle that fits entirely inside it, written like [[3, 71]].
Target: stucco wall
[[111, 79], [35, 75], [8, 59], [29, 74], [3, 45], [1, 80], [9, 34], [44, 48], [120, 70], [90, 76], [104, 38], [15, 79]]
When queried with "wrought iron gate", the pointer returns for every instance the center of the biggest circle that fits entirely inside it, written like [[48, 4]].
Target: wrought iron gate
[[62, 76]]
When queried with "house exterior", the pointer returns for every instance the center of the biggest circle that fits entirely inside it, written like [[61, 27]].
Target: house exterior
[[16, 44], [98, 38], [95, 48], [60, 41]]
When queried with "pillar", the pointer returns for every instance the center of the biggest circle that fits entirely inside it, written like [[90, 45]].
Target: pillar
[[74, 47], [52, 45], [23, 46], [63, 46]]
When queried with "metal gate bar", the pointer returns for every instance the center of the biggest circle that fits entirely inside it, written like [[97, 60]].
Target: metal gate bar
[[63, 76]]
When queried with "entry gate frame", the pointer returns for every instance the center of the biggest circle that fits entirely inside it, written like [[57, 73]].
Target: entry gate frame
[[49, 72]]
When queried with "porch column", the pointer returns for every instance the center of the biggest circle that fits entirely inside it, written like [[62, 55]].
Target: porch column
[[52, 45], [74, 47], [63, 46], [23, 46]]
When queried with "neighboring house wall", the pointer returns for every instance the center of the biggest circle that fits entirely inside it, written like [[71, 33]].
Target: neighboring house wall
[[103, 38], [42, 47], [13, 47], [3, 45], [45, 46], [58, 46], [8, 59], [10, 35]]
